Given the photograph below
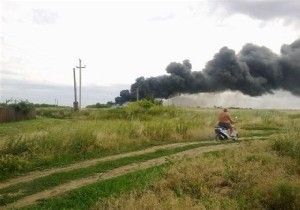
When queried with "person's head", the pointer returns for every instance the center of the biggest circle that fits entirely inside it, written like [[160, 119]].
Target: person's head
[[225, 110]]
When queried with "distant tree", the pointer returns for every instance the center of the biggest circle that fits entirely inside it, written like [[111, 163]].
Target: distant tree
[[23, 106], [98, 105], [44, 105], [110, 103]]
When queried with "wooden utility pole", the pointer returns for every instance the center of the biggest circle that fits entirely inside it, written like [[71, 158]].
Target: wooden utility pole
[[75, 103], [80, 67]]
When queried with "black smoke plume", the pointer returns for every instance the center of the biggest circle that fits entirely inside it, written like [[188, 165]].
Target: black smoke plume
[[254, 71]]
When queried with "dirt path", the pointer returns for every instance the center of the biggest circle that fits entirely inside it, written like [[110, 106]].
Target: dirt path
[[84, 164], [32, 199]]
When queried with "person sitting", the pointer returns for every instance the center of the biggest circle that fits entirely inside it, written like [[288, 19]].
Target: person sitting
[[225, 121]]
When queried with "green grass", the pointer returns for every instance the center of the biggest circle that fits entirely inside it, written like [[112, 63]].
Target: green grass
[[288, 145], [68, 137], [49, 142], [28, 126], [257, 133], [85, 197], [294, 116], [284, 195], [66, 159], [52, 180]]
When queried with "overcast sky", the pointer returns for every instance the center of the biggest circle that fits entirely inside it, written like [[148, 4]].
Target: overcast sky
[[119, 41]]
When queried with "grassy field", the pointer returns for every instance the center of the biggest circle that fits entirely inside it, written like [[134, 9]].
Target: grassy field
[[262, 173], [72, 136]]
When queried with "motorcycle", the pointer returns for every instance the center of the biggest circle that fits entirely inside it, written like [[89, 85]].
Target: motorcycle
[[222, 134]]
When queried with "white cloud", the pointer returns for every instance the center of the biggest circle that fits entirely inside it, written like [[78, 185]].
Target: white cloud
[[264, 10], [47, 93], [40, 16], [119, 41]]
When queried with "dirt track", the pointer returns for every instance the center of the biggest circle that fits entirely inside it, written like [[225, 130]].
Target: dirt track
[[84, 164], [32, 199]]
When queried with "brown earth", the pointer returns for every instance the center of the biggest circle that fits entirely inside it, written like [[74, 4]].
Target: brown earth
[[32, 199]]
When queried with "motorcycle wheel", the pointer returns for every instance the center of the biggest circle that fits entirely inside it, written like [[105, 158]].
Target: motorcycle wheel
[[218, 138]]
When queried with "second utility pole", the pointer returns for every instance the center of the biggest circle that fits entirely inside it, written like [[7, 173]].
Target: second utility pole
[[80, 67]]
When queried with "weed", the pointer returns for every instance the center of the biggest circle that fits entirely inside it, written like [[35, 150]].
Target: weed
[[18, 146], [10, 163], [59, 113], [182, 129], [159, 131], [82, 141], [283, 195], [288, 144]]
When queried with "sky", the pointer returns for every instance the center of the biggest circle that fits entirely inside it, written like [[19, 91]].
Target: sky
[[119, 41]]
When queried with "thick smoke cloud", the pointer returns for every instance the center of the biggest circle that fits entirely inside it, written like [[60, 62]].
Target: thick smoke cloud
[[290, 64], [254, 71]]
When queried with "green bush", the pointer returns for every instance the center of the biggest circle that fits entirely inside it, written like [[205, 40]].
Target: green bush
[[288, 145], [24, 107], [140, 110], [283, 196]]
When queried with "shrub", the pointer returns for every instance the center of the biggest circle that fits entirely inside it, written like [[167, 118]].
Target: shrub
[[288, 145], [10, 163], [58, 113], [283, 196], [140, 110], [24, 107], [19, 146]]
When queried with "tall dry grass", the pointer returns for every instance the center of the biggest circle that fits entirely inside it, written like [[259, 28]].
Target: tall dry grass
[[252, 176]]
